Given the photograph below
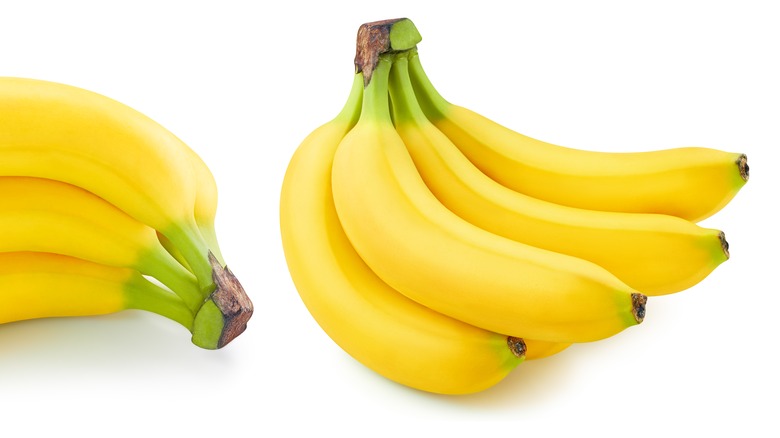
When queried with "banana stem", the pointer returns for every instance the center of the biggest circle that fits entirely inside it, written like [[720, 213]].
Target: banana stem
[[209, 233], [225, 315], [195, 251], [375, 96], [226, 307], [379, 37], [165, 268], [432, 103], [145, 295], [350, 113], [404, 100]]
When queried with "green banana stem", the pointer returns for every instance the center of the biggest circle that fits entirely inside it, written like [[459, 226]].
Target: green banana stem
[[225, 314], [165, 268], [172, 250], [145, 295], [432, 103], [209, 233], [350, 113], [226, 307], [188, 240], [376, 106], [406, 108]]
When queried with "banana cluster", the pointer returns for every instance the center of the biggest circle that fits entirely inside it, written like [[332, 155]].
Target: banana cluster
[[101, 210], [441, 249]]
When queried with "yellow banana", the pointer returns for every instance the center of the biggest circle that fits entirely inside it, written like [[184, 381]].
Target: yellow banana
[[65, 133], [656, 254], [689, 182], [387, 332], [417, 246], [45, 215], [42, 285]]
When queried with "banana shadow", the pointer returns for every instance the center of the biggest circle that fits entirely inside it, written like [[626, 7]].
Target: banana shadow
[[128, 341]]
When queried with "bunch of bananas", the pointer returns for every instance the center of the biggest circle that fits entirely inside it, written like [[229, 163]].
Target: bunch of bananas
[[441, 249], [101, 210]]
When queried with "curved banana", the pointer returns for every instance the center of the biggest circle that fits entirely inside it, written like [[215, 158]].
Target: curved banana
[[690, 182], [656, 254], [45, 215], [42, 285], [65, 133], [417, 246], [387, 332]]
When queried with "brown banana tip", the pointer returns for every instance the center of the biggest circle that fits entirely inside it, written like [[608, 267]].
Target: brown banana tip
[[744, 169], [724, 244], [516, 346], [638, 303]]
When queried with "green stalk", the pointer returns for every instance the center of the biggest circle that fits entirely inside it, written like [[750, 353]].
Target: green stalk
[[145, 295], [187, 239], [164, 267], [350, 113], [406, 108], [225, 314], [209, 233], [432, 103], [375, 96]]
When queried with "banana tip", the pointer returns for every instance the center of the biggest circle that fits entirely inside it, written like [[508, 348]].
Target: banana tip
[[638, 303], [516, 346], [724, 244], [744, 169]]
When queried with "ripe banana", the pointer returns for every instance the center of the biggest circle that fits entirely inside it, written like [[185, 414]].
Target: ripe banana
[[387, 332], [55, 131], [45, 215], [689, 182], [656, 254], [41, 285], [418, 247]]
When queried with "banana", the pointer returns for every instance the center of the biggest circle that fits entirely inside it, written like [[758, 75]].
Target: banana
[[385, 331], [43, 285], [656, 254], [64, 133], [689, 182], [426, 252], [55, 131], [50, 216]]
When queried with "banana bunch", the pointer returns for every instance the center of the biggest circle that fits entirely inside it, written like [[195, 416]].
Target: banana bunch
[[102, 210], [441, 249]]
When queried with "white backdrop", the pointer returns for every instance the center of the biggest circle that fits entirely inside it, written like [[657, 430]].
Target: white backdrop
[[242, 84]]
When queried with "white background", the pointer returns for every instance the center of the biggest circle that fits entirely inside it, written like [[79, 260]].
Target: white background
[[243, 83]]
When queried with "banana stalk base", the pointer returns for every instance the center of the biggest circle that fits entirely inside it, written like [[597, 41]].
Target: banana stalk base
[[224, 315]]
